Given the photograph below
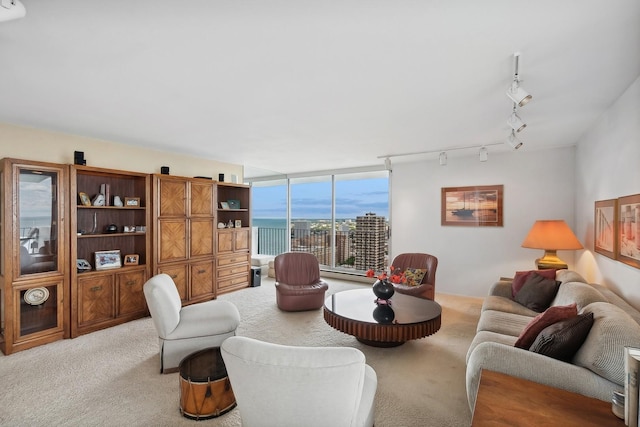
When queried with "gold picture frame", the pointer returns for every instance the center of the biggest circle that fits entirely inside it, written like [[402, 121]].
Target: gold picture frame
[[132, 202], [474, 206], [84, 198], [131, 259], [605, 226], [628, 236]]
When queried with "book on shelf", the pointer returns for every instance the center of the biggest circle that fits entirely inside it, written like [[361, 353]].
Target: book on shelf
[[631, 369]]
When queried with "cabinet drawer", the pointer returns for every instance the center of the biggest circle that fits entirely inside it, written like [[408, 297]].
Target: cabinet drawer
[[201, 279], [179, 275], [233, 282], [130, 295], [235, 259], [95, 299], [233, 270]]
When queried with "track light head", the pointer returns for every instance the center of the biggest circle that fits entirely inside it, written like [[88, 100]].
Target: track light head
[[518, 95], [11, 9], [443, 158], [516, 122], [483, 154], [513, 141]]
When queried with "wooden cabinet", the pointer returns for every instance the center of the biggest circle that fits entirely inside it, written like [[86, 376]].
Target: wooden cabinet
[[233, 262], [109, 293], [34, 268], [184, 237]]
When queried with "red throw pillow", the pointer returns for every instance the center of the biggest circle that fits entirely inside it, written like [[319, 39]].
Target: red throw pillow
[[541, 321], [522, 276]]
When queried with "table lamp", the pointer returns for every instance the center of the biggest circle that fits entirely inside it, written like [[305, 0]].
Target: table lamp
[[551, 236]]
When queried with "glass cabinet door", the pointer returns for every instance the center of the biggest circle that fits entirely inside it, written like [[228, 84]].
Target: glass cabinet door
[[38, 221]]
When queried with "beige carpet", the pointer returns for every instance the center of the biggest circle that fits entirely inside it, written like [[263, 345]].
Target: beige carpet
[[111, 377]]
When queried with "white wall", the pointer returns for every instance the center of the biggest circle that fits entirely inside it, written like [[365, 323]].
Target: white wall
[[48, 146], [608, 167], [537, 185]]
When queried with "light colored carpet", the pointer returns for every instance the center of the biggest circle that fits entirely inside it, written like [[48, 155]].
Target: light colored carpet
[[111, 377]]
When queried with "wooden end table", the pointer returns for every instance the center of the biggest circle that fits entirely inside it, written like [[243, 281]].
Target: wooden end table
[[504, 400], [356, 313]]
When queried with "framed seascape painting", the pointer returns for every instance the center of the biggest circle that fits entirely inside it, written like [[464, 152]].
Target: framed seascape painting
[[629, 230], [478, 206], [605, 226]]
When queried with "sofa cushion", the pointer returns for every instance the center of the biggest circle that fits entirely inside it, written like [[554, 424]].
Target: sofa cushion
[[521, 277], [563, 339], [502, 323], [603, 350], [537, 292], [580, 293], [547, 318], [569, 276], [506, 305]]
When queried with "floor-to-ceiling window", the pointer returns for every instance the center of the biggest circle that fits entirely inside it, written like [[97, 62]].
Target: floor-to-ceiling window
[[341, 217]]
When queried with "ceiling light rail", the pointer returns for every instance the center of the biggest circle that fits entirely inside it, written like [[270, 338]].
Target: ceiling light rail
[[520, 98]]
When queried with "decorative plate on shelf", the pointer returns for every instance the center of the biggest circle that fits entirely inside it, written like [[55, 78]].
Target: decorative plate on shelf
[[36, 296]]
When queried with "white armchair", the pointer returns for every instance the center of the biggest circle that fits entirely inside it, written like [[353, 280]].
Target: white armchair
[[278, 385], [184, 330]]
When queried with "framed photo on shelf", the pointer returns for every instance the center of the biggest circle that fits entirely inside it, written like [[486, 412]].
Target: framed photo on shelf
[[84, 199], [224, 205], [131, 259], [605, 227], [234, 204], [628, 245], [476, 206], [108, 259], [132, 202], [238, 223]]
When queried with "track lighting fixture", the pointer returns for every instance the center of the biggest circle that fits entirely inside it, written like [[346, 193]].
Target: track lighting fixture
[[443, 158], [483, 154], [513, 141], [515, 121], [515, 92]]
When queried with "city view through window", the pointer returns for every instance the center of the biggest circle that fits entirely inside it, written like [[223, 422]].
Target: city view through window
[[342, 219]]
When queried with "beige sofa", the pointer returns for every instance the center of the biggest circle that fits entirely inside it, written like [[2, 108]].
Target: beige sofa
[[596, 370]]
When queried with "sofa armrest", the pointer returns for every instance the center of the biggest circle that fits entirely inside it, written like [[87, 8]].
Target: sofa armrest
[[534, 367], [501, 288]]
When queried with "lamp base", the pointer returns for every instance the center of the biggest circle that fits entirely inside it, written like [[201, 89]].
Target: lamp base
[[550, 260]]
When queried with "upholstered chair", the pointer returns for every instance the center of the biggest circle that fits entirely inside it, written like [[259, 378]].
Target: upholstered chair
[[185, 330], [279, 385], [298, 283], [427, 287]]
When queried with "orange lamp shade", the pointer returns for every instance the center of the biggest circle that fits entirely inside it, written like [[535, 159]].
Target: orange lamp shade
[[551, 236]]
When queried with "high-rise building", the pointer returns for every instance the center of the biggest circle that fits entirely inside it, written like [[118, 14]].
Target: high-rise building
[[370, 244]]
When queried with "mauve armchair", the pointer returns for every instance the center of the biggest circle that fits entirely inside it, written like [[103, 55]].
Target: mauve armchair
[[298, 283], [427, 287]]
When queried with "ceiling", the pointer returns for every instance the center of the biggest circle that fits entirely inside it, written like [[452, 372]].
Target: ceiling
[[293, 86]]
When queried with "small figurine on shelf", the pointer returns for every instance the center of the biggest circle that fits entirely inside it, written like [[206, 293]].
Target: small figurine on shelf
[[230, 224]]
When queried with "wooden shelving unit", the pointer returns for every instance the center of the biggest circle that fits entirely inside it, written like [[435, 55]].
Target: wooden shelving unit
[[102, 298]]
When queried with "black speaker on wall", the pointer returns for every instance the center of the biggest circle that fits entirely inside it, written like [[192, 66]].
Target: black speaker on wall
[[164, 170], [78, 158], [221, 177]]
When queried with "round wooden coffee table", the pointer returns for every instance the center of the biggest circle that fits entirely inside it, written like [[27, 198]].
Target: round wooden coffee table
[[356, 313]]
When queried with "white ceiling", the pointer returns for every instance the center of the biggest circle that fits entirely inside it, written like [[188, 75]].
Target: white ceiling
[[291, 86]]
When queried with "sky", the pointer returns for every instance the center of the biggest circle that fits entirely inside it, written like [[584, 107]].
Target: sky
[[313, 200]]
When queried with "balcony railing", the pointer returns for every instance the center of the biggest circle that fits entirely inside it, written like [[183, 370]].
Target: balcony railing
[[352, 249]]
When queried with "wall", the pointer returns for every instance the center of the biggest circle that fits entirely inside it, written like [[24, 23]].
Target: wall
[[537, 185], [35, 144], [608, 167]]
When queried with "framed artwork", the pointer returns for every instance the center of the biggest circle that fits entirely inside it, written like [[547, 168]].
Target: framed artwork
[[84, 199], [234, 204], [238, 223], [628, 244], [477, 206], [108, 259], [131, 259], [132, 202], [224, 205], [605, 226]]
